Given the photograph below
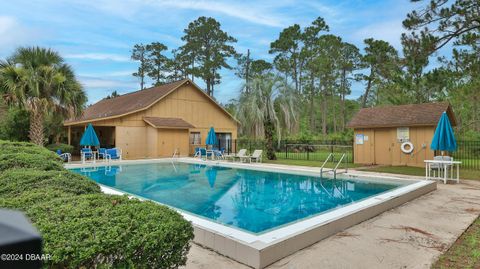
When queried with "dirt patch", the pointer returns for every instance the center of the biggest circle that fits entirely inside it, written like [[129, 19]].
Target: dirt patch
[[346, 234]]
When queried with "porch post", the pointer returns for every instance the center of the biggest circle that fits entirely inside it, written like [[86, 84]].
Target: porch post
[[69, 135]]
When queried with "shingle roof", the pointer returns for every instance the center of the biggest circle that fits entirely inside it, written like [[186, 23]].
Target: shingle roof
[[127, 103], [174, 123], [401, 116]]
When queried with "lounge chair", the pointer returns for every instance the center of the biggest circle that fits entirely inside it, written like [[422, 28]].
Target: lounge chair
[[66, 157], [241, 155], [114, 154], [256, 156], [86, 153]]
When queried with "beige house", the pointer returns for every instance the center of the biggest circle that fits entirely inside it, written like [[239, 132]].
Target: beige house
[[381, 132], [157, 121]]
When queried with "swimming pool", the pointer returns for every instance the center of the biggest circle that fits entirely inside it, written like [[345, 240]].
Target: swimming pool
[[250, 200]]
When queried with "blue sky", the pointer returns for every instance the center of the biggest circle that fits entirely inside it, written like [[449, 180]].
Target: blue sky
[[96, 37]]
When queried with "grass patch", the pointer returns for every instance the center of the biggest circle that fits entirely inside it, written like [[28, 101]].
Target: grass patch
[[465, 252], [418, 171]]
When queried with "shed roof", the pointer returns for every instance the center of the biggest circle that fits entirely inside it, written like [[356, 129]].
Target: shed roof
[[132, 102], [172, 123], [426, 114]]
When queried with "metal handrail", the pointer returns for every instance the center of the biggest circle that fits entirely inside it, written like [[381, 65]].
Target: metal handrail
[[325, 162], [335, 169], [175, 153]]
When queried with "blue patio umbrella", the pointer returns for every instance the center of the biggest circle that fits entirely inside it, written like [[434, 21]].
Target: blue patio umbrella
[[211, 137], [89, 137], [211, 174], [444, 139]]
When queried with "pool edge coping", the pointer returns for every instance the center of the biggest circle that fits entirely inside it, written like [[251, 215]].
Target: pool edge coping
[[261, 250]]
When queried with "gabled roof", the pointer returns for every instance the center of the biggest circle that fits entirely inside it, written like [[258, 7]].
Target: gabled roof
[[171, 123], [426, 114], [132, 102]]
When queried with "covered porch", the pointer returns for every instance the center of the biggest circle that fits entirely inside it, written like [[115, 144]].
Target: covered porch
[[105, 134]]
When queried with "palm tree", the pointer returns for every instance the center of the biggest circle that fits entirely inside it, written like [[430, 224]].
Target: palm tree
[[256, 109], [38, 80]]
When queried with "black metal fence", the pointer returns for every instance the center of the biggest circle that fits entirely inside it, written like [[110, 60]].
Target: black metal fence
[[314, 150], [468, 152]]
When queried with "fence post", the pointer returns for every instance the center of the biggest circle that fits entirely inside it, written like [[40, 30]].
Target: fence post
[[308, 151], [286, 151]]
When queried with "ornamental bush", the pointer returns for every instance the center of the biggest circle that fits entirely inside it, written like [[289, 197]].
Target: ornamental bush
[[14, 182], [82, 227], [98, 230], [63, 147], [26, 160]]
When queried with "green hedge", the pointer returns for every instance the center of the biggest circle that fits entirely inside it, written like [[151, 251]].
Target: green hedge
[[15, 182], [63, 147], [82, 227], [25, 160]]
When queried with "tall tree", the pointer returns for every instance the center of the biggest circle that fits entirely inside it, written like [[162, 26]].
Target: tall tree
[[381, 59], [448, 21], [157, 62], [139, 53], [257, 108], [350, 62], [287, 50], [247, 68], [209, 46], [38, 80]]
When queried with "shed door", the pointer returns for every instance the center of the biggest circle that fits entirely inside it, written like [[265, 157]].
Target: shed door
[[383, 146], [171, 139]]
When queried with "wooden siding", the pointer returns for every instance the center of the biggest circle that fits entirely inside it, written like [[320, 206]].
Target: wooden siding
[[383, 148], [139, 140]]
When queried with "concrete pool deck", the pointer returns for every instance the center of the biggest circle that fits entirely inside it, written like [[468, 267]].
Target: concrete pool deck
[[412, 235]]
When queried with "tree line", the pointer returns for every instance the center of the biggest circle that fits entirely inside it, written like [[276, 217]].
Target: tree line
[[319, 68]]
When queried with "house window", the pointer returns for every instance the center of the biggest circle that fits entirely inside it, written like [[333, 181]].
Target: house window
[[195, 138]]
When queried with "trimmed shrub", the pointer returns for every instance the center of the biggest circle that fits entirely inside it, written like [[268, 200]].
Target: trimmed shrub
[[99, 230], [82, 227], [26, 160], [8, 147], [16, 182], [63, 147]]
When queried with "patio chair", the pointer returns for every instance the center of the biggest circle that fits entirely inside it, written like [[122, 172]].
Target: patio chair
[[257, 156], [438, 167], [204, 153], [86, 153], [66, 157], [102, 153], [114, 154], [197, 153], [219, 154]]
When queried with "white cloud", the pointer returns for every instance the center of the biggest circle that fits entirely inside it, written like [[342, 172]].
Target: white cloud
[[99, 83], [389, 31], [122, 73], [243, 12], [98, 56], [13, 34]]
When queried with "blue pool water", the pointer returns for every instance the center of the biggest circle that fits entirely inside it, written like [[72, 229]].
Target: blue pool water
[[255, 201]]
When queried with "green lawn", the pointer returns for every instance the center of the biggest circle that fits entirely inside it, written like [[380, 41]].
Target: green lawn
[[418, 171], [465, 252]]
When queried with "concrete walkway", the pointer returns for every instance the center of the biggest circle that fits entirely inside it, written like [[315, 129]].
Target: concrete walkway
[[410, 236]]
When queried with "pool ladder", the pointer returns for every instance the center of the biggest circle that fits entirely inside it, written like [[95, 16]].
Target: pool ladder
[[334, 170], [175, 153]]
